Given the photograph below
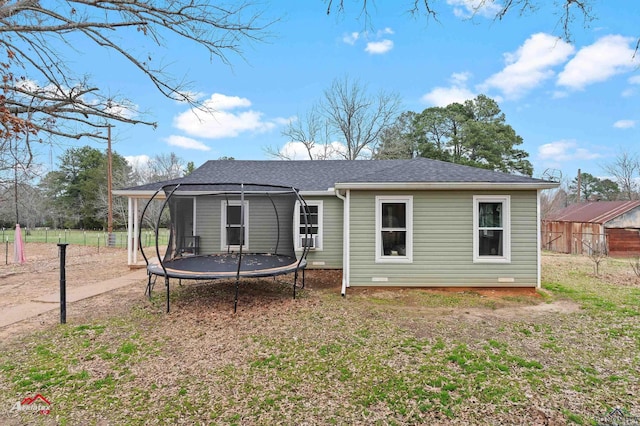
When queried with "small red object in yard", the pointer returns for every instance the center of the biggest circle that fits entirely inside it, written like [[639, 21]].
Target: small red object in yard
[[18, 246]]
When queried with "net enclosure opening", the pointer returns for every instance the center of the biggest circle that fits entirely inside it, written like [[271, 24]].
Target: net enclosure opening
[[227, 231]]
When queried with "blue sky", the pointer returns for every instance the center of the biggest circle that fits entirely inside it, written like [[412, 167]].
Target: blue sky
[[575, 104]]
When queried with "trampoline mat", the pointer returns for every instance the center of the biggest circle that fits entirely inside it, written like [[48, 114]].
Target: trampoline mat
[[226, 266]]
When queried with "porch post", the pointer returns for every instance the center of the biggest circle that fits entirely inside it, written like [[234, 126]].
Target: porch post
[[136, 225], [129, 231]]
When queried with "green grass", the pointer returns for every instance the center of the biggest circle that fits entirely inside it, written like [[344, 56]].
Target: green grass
[[80, 237], [330, 360]]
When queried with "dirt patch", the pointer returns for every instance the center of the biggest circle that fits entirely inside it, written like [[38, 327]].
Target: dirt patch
[[40, 275]]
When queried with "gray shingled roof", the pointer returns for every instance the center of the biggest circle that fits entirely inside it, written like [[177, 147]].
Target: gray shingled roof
[[322, 175]]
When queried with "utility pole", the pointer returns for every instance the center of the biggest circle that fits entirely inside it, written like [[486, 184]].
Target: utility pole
[[111, 240], [579, 184]]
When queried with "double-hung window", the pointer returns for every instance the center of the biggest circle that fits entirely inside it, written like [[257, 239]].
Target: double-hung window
[[235, 225], [491, 229], [308, 225], [394, 229]]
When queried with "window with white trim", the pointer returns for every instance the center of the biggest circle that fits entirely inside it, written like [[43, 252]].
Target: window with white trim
[[394, 229], [232, 225], [492, 228], [308, 231]]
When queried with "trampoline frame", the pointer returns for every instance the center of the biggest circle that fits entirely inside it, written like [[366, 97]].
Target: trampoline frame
[[163, 268]]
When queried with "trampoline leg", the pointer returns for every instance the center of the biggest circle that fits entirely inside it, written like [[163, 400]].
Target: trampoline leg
[[303, 278], [295, 283], [166, 283], [235, 302], [148, 290]]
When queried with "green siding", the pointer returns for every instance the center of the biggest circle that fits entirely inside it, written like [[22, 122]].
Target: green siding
[[443, 242], [331, 253], [263, 226], [208, 224]]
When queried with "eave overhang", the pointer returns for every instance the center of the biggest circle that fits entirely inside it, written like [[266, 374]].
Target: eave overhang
[[441, 186]]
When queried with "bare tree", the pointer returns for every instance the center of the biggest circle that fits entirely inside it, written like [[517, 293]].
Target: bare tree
[[357, 118], [566, 11], [553, 200], [311, 134], [635, 265], [597, 252], [42, 96], [346, 123], [160, 167], [166, 166], [626, 171]]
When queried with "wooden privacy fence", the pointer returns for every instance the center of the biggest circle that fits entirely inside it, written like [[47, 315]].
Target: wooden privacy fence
[[576, 243]]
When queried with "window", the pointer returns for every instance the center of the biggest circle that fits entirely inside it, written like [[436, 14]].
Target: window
[[308, 232], [394, 229], [491, 229], [232, 235]]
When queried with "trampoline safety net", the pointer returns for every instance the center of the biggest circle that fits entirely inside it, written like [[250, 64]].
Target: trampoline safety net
[[230, 230]]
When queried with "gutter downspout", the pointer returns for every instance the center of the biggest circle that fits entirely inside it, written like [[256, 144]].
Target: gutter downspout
[[345, 238]]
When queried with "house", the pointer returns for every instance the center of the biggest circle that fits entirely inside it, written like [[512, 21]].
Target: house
[[613, 226], [404, 223]]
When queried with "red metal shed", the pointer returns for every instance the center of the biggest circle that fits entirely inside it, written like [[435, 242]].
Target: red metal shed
[[578, 228]]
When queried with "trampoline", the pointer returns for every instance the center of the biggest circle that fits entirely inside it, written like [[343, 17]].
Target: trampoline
[[229, 231]]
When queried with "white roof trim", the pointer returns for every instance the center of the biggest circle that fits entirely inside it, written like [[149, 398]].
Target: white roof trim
[[147, 193], [407, 186], [329, 191], [446, 185]]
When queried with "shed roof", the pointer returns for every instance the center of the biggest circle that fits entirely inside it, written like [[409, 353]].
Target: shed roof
[[324, 175], [593, 212]]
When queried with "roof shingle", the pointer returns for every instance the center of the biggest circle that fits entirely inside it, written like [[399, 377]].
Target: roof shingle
[[323, 175]]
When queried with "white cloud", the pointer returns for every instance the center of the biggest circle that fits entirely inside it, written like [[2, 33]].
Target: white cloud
[[530, 65], [379, 47], [191, 96], [443, 96], [457, 92], [298, 151], [186, 143], [460, 78], [627, 93], [624, 124], [376, 43], [224, 121], [351, 38], [634, 79], [285, 121], [218, 101], [137, 161], [469, 8], [608, 56], [565, 150]]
